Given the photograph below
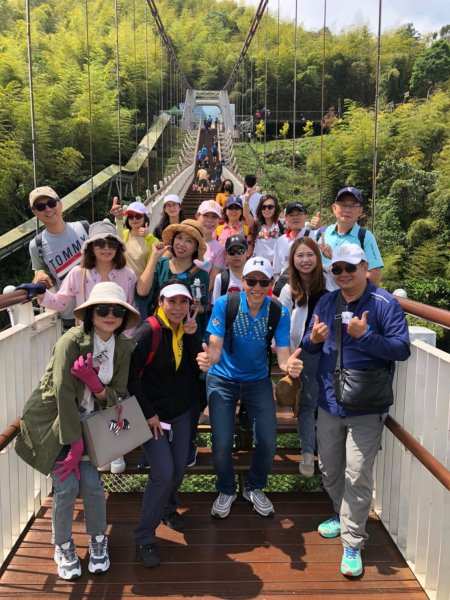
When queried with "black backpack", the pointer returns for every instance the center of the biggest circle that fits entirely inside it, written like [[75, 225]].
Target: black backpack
[[233, 302], [224, 281]]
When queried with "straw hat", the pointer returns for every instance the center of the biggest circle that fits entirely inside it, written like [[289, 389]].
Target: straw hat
[[108, 292], [189, 227]]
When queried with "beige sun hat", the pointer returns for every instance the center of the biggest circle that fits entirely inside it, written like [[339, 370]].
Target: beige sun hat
[[45, 191], [190, 227], [101, 230], [108, 292]]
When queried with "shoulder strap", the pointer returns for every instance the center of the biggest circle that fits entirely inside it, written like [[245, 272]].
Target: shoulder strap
[[362, 236], [85, 225], [307, 232], [280, 283], [224, 281], [272, 324], [233, 302], [155, 326], [338, 325], [38, 240]]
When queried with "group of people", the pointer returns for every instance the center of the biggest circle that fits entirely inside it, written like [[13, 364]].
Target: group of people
[[188, 316]]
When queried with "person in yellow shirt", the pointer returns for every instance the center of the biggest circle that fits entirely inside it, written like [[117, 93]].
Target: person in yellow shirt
[[226, 189]]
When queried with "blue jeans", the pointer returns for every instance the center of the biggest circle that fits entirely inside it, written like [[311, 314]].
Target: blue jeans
[[167, 457], [308, 402], [90, 488], [257, 397]]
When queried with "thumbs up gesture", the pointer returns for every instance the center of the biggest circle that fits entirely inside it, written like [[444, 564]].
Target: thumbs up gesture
[[294, 365], [358, 327], [204, 358], [319, 332], [315, 221], [116, 208]]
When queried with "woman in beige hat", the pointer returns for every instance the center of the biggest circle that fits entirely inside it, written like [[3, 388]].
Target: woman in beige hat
[[88, 370], [186, 243]]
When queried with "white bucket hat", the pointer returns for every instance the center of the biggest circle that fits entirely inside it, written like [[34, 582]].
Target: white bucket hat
[[172, 198], [108, 292]]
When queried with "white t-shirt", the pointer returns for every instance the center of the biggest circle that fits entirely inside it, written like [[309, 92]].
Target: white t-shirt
[[266, 240], [234, 285]]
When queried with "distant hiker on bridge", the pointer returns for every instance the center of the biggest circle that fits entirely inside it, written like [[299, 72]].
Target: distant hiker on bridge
[[226, 189], [203, 179], [267, 228], [241, 329], [203, 153], [348, 208], [295, 227], [88, 371], [57, 249], [167, 389], [172, 214], [359, 331]]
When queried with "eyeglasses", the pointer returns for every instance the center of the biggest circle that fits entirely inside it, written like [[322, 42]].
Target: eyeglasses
[[349, 205], [134, 216], [348, 268], [267, 206], [251, 282], [41, 206], [236, 251], [103, 310], [107, 243]]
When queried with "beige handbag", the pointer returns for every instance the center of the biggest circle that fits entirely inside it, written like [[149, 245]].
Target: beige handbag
[[115, 431]]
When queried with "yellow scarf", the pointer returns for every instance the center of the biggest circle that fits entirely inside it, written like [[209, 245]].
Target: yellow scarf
[[177, 336]]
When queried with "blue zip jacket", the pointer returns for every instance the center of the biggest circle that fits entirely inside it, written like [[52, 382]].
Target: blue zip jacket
[[386, 340]]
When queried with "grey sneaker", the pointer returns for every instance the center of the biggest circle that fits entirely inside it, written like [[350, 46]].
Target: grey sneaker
[[98, 554], [66, 557], [306, 466], [222, 505], [260, 501]]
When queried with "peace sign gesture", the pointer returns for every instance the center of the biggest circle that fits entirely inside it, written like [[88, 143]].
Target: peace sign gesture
[[190, 325]]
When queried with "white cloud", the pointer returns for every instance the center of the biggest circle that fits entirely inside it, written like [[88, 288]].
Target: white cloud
[[342, 14]]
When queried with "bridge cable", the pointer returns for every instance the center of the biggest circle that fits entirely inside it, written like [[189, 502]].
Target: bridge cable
[[265, 82], [119, 146], [31, 94], [277, 85], [147, 98], [377, 104], [89, 89], [322, 104], [135, 92], [295, 87], [161, 104]]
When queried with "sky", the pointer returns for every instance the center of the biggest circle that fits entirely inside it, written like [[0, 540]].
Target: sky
[[429, 15]]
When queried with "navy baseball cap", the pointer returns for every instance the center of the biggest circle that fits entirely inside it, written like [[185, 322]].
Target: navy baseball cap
[[350, 191], [295, 206], [233, 201], [236, 240]]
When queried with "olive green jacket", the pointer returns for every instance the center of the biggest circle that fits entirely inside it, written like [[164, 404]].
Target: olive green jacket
[[51, 417]]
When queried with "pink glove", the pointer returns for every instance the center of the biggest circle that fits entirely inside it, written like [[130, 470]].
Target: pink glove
[[72, 461], [84, 371]]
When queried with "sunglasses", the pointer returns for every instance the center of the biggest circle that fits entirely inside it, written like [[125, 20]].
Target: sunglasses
[[107, 243], [349, 268], [134, 216], [236, 251], [251, 282], [41, 206], [103, 310], [267, 206]]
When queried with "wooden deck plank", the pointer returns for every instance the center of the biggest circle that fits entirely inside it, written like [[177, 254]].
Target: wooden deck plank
[[244, 556]]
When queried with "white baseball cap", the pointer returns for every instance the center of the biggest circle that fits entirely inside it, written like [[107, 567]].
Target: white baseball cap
[[258, 264], [172, 198], [348, 253], [209, 206], [175, 289]]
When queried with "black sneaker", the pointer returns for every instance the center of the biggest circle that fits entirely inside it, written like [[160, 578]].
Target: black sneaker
[[148, 555], [174, 521]]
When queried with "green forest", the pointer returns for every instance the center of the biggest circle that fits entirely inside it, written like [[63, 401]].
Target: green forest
[[412, 220]]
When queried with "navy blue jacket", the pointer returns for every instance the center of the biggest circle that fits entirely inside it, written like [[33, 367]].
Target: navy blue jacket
[[385, 341]]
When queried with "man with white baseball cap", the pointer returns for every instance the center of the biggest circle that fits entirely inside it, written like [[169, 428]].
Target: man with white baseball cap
[[241, 329], [360, 331], [57, 249]]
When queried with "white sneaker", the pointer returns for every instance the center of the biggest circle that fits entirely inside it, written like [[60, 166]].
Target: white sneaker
[[260, 501], [222, 505], [98, 554], [118, 465], [66, 557], [306, 466], [104, 468]]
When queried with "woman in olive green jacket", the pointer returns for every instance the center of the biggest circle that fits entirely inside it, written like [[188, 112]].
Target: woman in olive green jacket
[[87, 371]]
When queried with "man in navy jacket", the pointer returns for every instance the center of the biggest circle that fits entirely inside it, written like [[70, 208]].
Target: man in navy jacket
[[374, 335]]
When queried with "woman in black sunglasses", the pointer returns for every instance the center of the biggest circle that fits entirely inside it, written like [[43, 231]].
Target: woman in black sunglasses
[[267, 228], [103, 259]]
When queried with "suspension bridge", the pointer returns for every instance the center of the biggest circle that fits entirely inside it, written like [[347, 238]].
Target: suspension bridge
[[408, 554]]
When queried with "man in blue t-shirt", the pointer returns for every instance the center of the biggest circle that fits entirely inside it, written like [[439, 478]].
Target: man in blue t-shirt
[[238, 369], [348, 208]]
